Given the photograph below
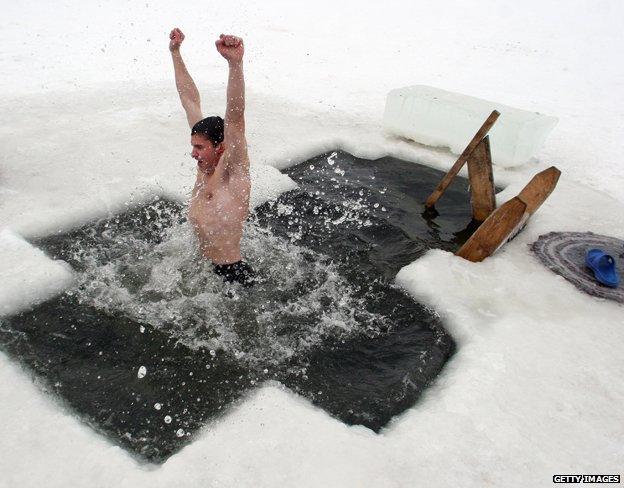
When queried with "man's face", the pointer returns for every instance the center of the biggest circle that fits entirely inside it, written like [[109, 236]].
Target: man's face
[[206, 153]]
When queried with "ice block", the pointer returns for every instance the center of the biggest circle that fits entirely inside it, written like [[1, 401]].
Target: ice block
[[438, 117]]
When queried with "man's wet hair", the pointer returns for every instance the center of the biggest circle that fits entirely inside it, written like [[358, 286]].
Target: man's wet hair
[[211, 128]]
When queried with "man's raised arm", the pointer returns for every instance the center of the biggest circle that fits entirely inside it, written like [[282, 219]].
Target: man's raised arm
[[232, 49], [189, 95]]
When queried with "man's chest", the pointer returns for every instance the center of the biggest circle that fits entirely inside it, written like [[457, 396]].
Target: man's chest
[[219, 205], [210, 203]]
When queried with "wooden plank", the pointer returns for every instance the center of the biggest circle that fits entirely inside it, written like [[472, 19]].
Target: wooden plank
[[481, 181], [539, 189], [502, 225], [497, 229], [446, 181]]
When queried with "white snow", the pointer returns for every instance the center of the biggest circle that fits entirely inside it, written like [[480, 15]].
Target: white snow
[[91, 123], [436, 117], [27, 275]]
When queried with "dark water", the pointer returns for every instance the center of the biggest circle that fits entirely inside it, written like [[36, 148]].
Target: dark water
[[372, 211], [150, 345]]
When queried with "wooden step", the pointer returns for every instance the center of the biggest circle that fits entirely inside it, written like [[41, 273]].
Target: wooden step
[[497, 229], [539, 189], [509, 219]]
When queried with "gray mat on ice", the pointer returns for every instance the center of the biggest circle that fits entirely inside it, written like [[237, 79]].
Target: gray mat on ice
[[564, 253]]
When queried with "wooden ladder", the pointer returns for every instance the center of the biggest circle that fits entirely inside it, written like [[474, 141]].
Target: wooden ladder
[[496, 226]]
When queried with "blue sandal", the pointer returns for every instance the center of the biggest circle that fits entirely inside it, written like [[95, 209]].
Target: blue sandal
[[603, 267]]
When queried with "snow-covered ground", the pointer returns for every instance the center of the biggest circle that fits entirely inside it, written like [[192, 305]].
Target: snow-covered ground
[[91, 121]]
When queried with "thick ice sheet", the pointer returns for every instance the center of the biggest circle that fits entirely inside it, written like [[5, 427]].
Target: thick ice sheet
[[27, 275], [438, 117]]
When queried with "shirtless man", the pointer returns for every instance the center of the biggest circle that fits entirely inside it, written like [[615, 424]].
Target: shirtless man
[[220, 201]]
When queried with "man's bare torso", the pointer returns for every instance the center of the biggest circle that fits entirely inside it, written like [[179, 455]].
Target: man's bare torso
[[218, 210], [220, 201]]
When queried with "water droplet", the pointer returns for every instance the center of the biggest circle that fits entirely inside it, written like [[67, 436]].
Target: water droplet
[[167, 419], [179, 432], [157, 406], [142, 372]]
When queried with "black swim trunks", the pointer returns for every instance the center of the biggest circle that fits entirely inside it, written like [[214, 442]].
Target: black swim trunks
[[239, 272]]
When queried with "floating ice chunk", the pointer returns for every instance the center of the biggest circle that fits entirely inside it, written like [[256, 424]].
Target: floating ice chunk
[[440, 118]]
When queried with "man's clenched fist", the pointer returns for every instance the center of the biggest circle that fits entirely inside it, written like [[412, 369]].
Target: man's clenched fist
[[230, 47], [176, 37]]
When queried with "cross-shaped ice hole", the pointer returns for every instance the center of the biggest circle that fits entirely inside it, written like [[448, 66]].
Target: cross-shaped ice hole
[[325, 320]]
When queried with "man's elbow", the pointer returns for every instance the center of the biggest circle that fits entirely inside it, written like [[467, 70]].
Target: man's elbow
[[190, 104]]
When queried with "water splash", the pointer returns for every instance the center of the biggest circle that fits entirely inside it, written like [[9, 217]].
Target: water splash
[[300, 299]]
